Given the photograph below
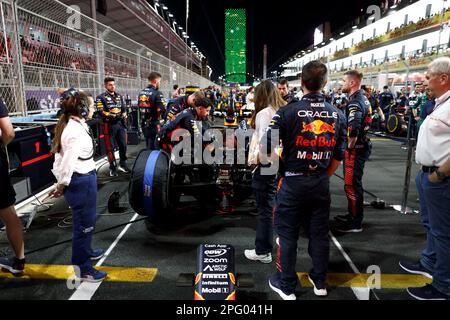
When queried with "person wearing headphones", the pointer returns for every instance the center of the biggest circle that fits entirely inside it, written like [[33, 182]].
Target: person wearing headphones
[[75, 172]]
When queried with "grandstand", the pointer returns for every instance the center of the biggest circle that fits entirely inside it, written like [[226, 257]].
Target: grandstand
[[44, 47], [398, 47]]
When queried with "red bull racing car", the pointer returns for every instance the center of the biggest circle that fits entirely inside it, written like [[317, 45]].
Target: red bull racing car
[[157, 183]]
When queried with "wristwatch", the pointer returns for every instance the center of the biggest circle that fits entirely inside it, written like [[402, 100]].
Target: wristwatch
[[441, 176]]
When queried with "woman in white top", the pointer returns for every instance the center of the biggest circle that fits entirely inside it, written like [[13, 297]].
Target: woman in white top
[[267, 102], [74, 169]]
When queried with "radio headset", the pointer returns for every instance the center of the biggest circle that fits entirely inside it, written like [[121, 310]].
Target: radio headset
[[83, 110]]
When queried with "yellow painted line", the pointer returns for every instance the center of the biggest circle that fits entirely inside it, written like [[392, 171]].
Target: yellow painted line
[[58, 272], [380, 139], [388, 281]]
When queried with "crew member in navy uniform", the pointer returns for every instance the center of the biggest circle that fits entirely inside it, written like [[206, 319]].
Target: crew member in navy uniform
[[111, 108], [152, 106], [313, 138], [184, 102], [188, 119], [8, 215], [210, 94], [283, 88], [377, 113], [359, 117], [386, 100]]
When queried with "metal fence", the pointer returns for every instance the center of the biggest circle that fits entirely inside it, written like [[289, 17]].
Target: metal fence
[[46, 45]]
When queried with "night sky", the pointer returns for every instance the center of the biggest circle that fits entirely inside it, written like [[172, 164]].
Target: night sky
[[285, 26]]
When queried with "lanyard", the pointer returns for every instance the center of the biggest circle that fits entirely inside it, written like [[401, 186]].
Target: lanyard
[[91, 135]]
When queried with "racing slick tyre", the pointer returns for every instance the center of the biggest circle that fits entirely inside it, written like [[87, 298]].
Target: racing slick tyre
[[149, 185], [396, 125]]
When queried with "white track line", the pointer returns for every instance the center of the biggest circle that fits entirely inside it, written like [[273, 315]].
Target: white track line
[[361, 293], [87, 290]]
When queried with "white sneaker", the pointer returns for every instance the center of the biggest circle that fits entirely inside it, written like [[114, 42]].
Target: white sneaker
[[280, 292], [322, 292], [264, 258]]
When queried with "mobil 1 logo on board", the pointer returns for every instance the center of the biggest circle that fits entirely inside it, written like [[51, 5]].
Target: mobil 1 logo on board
[[215, 277]]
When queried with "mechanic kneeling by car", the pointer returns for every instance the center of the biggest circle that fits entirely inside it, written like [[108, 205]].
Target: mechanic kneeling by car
[[187, 120]]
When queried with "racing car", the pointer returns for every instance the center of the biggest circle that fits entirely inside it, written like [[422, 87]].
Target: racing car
[[221, 110], [157, 183]]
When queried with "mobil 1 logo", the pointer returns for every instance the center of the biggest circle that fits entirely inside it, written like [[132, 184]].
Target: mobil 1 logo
[[215, 278]]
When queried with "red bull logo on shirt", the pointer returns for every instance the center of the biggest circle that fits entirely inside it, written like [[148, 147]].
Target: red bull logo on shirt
[[319, 127], [321, 142]]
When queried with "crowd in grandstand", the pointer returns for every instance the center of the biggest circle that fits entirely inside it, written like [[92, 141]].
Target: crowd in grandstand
[[49, 55], [35, 53], [418, 57], [397, 32]]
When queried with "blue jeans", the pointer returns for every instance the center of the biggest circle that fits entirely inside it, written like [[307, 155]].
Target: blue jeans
[[264, 188], [81, 195], [303, 200], [435, 214]]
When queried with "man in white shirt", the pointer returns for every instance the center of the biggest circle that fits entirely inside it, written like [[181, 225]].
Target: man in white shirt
[[433, 184]]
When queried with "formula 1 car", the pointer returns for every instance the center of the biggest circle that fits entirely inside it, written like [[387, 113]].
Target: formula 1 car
[[234, 117], [221, 110], [157, 183]]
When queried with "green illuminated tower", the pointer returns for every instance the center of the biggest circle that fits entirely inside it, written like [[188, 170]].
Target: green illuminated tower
[[235, 45]]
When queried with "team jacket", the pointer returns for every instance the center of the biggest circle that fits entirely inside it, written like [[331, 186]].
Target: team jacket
[[110, 107], [151, 104], [359, 115], [420, 102], [290, 98], [185, 120], [386, 99], [177, 107], [312, 132], [374, 102]]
